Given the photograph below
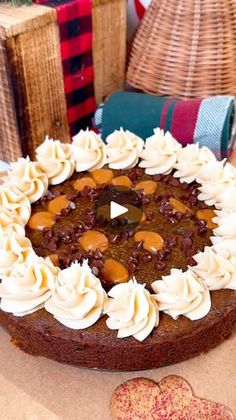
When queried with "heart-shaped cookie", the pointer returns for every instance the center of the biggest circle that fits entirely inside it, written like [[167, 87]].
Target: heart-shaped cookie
[[170, 399]]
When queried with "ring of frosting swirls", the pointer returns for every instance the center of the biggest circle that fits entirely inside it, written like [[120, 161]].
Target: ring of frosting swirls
[[132, 310], [56, 159], [89, 151], [26, 286], [29, 178], [77, 298]]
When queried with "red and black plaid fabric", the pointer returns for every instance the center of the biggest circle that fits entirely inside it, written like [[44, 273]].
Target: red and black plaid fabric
[[75, 28]]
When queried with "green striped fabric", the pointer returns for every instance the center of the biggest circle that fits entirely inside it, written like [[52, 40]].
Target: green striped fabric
[[19, 2]]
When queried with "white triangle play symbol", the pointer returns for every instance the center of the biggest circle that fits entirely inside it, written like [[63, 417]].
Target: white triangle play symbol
[[117, 210]]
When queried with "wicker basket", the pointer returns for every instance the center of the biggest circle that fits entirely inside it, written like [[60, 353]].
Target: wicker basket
[[186, 49]]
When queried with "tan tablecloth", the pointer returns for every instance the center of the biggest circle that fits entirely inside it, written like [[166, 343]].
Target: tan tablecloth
[[34, 388]]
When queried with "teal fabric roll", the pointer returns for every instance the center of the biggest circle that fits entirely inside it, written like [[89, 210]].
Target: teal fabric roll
[[207, 121]]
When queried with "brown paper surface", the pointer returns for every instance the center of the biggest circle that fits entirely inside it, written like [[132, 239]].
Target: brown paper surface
[[34, 388]]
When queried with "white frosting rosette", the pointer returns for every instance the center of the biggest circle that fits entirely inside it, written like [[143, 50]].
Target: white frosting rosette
[[27, 285], [215, 178], [182, 293], [221, 244], [160, 153], [191, 160], [132, 310], [56, 159], [10, 221], [215, 171], [12, 199], [227, 198], [123, 149], [218, 270], [14, 248], [226, 224], [88, 150], [77, 298], [29, 178]]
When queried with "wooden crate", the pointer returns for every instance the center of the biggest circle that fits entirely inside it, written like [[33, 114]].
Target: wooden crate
[[32, 96], [109, 46]]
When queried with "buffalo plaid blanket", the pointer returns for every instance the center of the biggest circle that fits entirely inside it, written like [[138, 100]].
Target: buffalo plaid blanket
[[75, 28]]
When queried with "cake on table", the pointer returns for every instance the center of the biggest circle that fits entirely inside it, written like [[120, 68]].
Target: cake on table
[[147, 288]]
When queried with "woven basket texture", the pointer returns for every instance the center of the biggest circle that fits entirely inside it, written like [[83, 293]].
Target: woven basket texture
[[109, 46], [185, 49]]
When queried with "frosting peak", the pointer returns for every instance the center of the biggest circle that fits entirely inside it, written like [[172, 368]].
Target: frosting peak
[[191, 160], [77, 298], [160, 153], [216, 178], [226, 200], [226, 224], [218, 270], [14, 248], [26, 286], [29, 178], [182, 293], [132, 310], [12, 199], [215, 171], [9, 220], [89, 151], [56, 159], [123, 149], [220, 244]]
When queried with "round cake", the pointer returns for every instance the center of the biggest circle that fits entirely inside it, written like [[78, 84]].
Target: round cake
[[118, 255]]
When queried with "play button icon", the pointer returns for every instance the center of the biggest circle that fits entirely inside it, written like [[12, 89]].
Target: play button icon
[[118, 209]]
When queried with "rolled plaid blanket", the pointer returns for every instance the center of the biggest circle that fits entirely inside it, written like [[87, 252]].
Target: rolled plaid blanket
[[208, 121]]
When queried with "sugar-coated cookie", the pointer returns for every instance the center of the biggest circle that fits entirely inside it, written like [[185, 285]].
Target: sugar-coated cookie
[[170, 399]]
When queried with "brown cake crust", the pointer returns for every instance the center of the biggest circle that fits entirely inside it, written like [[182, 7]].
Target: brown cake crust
[[98, 347]]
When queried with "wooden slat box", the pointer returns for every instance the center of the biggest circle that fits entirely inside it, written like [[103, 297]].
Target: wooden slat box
[[32, 99], [109, 46]]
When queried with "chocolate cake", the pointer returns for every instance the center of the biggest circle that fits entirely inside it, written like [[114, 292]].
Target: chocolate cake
[[163, 273]]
